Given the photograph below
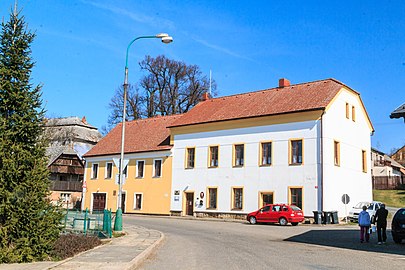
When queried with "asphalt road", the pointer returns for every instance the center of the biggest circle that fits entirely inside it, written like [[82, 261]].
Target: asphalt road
[[202, 244]]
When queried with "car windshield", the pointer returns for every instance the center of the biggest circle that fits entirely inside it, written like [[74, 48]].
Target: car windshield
[[371, 206], [360, 205], [295, 208]]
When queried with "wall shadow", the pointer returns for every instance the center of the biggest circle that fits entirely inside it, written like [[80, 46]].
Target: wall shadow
[[348, 239]]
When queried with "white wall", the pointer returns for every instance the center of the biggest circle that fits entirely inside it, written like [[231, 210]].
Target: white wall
[[354, 136], [276, 178]]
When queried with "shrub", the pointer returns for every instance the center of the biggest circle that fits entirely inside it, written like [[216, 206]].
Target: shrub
[[69, 245]]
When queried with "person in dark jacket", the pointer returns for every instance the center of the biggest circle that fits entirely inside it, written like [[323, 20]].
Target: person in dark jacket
[[381, 219]]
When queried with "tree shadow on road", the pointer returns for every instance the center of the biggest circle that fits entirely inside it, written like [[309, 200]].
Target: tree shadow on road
[[348, 239]]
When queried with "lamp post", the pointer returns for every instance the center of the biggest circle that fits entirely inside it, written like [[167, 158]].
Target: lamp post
[[165, 38]]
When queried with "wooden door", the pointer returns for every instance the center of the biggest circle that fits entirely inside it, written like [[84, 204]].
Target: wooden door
[[99, 201], [189, 204], [123, 202]]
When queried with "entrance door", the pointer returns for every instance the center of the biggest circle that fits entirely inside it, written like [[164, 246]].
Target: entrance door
[[99, 201], [123, 203], [189, 204]]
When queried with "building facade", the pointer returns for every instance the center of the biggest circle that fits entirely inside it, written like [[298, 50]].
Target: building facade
[[306, 144], [148, 172]]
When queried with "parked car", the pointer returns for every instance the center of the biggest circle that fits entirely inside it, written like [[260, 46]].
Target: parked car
[[277, 213], [372, 207], [398, 226]]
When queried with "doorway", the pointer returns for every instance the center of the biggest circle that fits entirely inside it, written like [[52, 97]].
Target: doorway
[[99, 200], [123, 202], [189, 204]]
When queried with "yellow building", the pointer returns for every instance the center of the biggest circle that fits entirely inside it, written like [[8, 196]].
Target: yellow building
[[147, 186]]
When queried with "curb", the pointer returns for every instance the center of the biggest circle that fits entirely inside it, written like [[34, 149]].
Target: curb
[[141, 258]]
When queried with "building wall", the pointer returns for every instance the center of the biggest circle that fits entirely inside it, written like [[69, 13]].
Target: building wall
[[254, 179], [353, 137], [155, 190]]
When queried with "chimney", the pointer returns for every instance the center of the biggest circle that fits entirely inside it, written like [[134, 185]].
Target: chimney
[[205, 96], [84, 121], [283, 83]]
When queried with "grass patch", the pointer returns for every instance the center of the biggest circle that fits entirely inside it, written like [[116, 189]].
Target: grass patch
[[393, 198]]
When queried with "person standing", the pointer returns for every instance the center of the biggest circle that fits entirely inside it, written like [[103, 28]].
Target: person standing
[[381, 219], [364, 223]]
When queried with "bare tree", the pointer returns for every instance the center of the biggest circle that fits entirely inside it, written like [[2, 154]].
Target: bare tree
[[167, 87]]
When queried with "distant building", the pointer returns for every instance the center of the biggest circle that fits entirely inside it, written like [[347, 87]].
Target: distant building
[[386, 172], [69, 139], [399, 156]]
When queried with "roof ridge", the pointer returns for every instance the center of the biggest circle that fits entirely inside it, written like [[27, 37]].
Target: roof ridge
[[278, 88], [153, 118]]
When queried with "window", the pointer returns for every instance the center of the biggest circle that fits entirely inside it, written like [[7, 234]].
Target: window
[[296, 152], [108, 170], [138, 201], [347, 111], [265, 153], [266, 198], [65, 197], [213, 161], [157, 168], [237, 200], [140, 166], [364, 160], [94, 171], [239, 155], [354, 114], [190, 157], [336, 153], [212, 198], [296, 197]]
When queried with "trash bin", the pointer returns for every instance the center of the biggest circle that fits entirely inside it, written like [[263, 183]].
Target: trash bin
[[317, 217], [335, 218], [326, 217]]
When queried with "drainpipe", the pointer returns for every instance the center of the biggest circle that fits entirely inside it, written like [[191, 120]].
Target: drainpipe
[[320, 187]]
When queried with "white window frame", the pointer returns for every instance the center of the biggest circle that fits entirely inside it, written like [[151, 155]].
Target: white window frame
[[138, 193], [106, 170], [92, 170], [161, 168], [143, 171]]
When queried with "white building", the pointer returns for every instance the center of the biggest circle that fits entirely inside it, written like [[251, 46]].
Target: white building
[[305, 144]]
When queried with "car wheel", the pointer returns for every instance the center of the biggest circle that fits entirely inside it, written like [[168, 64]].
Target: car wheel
[[252, 220], [283, 221], [397, 239], [294, 223]]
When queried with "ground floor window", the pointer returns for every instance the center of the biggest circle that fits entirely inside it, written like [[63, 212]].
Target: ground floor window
[[212, 198], [237, 198], [296, 196], [138, 201], [266, 198]]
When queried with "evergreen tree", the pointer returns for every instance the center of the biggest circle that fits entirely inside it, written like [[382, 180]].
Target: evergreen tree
[[29, 224]]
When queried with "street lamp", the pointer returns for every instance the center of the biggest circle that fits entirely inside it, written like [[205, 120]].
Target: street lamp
[[165, 38]]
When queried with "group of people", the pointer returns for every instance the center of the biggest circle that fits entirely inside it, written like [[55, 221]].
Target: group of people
[[365, 222]]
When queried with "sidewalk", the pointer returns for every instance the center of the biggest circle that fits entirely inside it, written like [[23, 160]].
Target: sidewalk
[[126, 252]]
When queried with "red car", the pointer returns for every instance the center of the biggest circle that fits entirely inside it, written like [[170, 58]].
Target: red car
[[277, 213]]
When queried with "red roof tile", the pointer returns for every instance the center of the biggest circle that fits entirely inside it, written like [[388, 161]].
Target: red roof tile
[[293, 98], [143, 135]]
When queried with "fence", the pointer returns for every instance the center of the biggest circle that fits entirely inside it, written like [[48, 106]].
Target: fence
[[97, 223], [387, 182]]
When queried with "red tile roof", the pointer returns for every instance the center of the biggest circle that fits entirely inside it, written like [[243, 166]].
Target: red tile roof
[[294, 98], [143, 135]]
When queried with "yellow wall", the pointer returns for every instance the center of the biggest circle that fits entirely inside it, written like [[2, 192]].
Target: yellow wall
[[155, 191]]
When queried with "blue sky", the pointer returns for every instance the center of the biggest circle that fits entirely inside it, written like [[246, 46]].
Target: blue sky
[[80, 49]]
